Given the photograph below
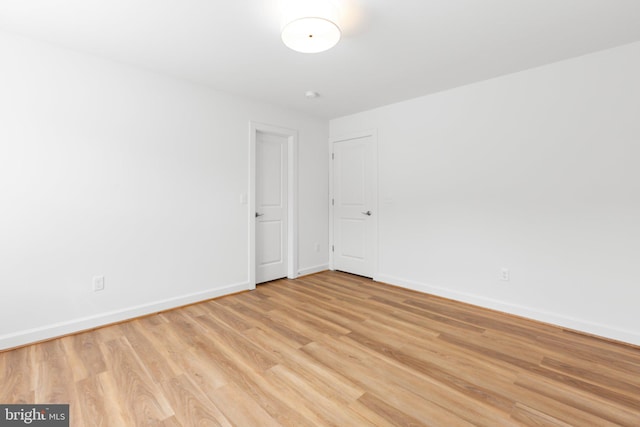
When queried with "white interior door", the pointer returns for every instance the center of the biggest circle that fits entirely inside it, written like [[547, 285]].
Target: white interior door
[[354, 205], [271, 206]]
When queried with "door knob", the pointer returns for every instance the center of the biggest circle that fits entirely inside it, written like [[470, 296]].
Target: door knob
[[367, 213], [258, 214]]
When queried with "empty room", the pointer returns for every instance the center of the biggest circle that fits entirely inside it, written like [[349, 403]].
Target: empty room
[[320, 213]]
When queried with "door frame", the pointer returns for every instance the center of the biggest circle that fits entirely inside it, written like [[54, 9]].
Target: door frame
[[373, 133], [292, 197]]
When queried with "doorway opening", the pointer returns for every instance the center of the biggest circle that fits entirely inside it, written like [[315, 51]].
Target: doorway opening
[[354, 204], [273, 231]]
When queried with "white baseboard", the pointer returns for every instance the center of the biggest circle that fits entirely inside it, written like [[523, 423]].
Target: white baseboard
[[313, 270], [64, 328], [580, 325], [82, 324]]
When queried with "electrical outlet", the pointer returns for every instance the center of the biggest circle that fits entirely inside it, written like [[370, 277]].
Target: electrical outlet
[[504, 274], [98, 283]]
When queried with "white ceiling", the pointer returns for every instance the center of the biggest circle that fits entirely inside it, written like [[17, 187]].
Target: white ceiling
[[390, 51]]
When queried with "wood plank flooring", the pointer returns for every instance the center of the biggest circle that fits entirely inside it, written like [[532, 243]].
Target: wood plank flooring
[[329, 349]]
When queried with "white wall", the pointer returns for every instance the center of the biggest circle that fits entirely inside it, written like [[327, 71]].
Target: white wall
[[538, 172], [109, 170]]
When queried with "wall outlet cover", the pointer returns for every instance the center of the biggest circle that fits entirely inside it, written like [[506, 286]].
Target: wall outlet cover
[[98, 283]]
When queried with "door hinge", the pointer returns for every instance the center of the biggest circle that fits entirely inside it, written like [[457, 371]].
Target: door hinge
[[333, 202], [333, 156], [333, 248]]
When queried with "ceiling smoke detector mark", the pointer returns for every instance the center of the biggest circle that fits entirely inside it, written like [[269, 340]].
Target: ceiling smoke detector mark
[[310, 94]]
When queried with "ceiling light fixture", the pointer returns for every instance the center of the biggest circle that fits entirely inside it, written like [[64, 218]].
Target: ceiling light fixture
[[311, 35], [310, 26]]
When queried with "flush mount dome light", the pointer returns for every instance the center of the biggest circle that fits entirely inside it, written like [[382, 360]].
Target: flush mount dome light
[[310, 35]]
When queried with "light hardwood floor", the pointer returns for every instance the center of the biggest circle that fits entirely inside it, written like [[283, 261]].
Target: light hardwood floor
[[329, 349]]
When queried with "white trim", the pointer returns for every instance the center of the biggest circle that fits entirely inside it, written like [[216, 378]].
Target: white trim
[[519, 310], [90, 322], [292, 198], [292, 206], [330, 207], [313, 270], [373, 133]]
